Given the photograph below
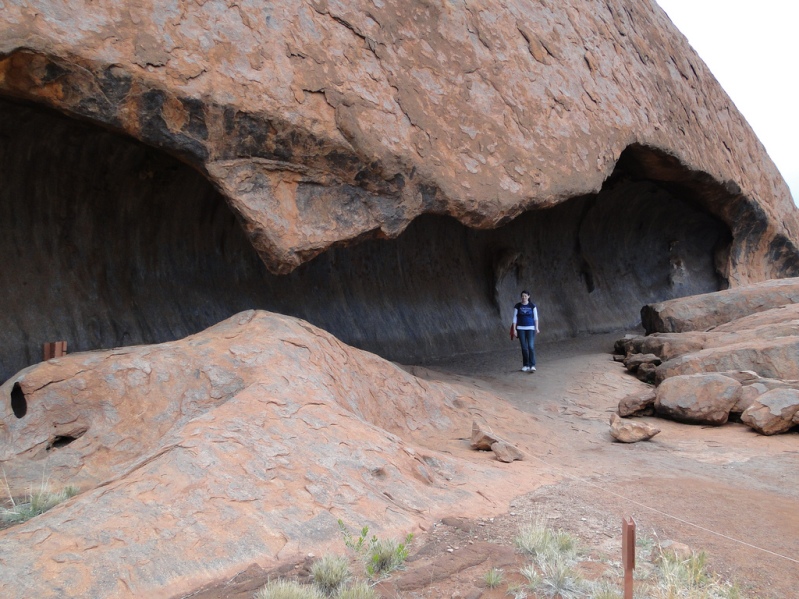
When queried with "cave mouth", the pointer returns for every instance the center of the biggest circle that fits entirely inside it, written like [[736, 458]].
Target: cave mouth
[[112, 242]]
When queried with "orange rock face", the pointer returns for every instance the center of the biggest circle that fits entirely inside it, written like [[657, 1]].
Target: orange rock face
[[243, 444], [433, 155], [322, 122]]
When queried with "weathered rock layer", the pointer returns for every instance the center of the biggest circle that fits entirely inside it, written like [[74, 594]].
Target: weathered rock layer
[[243, 444], [617, 170]]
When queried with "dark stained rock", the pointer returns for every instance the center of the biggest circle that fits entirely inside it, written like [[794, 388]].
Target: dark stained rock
[[635, 360], [637, 404]]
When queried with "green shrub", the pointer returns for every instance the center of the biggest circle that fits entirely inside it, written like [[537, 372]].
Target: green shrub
[[558, 578], [385, 556], [689, 578], [381, 556], [493, 578]]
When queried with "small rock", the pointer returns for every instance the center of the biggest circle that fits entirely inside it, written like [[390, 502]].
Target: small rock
[[482, 437], [506, 452], [628, 431], [635, 361]]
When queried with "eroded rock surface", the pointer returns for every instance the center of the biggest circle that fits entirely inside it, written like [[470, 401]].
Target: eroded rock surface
[[303, 129], [243, 444]]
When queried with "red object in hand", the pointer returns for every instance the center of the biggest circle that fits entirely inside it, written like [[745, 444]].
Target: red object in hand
[[512, 332]]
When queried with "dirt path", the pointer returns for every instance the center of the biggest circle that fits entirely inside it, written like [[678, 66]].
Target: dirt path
[[726, 490]]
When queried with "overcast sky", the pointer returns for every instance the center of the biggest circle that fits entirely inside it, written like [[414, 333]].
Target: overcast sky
[[752, 48]]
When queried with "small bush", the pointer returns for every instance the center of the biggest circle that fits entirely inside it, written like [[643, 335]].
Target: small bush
[[516, 591], [493, 578], [358, 590], [381, 556], [38, 503], [330, 573], [385, 556], [689, 578], [533, 538], [559, 579], [287, 589], [605, 590], [532, 576]]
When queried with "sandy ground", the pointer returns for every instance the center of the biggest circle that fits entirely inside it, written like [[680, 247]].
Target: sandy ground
[[724, 490]]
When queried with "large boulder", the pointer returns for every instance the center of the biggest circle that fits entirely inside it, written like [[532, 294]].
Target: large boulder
[[709, 310], [771, 358], [697, 398], [773, 412]]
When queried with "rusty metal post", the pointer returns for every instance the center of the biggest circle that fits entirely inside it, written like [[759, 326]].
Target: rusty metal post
[[628, 554]]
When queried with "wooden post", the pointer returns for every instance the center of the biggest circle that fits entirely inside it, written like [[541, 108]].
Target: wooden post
[[55, 349], [628, 554]]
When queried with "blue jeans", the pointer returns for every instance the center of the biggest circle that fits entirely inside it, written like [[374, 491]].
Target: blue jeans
[[527, 339]]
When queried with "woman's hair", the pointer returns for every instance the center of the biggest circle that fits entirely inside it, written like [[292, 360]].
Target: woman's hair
[[524, 292]]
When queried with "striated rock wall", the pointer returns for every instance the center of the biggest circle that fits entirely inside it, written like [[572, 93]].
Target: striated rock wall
[[630, 175]]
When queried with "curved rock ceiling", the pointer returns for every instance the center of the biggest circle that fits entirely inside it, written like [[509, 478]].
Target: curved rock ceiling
[[401, 169]]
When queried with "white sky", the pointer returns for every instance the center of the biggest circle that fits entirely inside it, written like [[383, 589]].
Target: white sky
[[752, 48]]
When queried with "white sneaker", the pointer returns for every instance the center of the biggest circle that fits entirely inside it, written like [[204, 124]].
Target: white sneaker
[[531, 369], [525, 369]]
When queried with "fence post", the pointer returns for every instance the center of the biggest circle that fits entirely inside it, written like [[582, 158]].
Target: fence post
[[54, 349], [628, 554]]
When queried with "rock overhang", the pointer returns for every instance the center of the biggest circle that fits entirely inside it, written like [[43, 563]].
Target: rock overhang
[[352, 123]]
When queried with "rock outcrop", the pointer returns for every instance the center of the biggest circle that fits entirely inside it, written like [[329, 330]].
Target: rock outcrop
[[377, 152], [243, 444], [743, 363]]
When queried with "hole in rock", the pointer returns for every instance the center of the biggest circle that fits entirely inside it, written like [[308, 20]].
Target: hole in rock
[[60, 441], [19, 404], [111, 242]]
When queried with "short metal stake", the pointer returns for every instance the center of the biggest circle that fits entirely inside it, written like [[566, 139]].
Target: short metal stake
[[628, 554]]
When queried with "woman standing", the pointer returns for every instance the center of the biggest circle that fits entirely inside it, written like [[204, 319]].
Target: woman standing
[[525, 326]]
